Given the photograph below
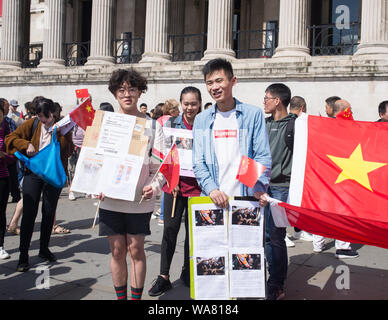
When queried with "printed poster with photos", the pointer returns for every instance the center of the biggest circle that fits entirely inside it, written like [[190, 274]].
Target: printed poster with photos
[[226, 250], [112, 156], [184, 141]]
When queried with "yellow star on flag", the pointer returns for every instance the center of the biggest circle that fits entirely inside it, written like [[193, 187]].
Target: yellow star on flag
[[356, 168], [89, 108]]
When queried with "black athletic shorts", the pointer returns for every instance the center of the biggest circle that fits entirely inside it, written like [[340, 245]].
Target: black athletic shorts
[[112, 223]]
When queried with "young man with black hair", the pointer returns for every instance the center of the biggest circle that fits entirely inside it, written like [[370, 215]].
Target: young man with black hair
[[276, 100], [223, 134], [331, 108]]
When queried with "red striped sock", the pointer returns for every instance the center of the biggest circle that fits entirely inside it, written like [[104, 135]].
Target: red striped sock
[[136, 293], [121, 292]]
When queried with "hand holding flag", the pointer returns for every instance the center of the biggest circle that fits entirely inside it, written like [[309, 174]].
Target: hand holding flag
[[249, 171]]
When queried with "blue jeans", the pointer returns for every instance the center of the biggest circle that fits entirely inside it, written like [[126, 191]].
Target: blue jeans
[[275, 245]]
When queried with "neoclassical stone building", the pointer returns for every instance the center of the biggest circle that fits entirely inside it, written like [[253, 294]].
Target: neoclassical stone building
[[317, 47]]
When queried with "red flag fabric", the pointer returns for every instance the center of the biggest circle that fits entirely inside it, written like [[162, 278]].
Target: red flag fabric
[[249, 171], [170, 168], [338, 186], [82, 93], [346, 114], [84, 114]]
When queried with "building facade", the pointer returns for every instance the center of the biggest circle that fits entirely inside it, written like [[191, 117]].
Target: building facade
[[319, 48]]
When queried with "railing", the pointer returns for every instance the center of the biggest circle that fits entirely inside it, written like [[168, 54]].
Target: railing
[[31, 55], [128, 50], [255, 43], [328, 40], [187, 47], [77, 53]]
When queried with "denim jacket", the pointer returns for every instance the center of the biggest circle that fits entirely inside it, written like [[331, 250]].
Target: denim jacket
[[253, 143]]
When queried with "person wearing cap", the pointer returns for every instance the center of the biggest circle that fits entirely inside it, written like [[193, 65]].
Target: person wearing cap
[[13, 113]]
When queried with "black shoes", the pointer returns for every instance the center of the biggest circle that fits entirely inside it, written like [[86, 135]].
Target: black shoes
[[47, 255], [159, 286], [23, 264]]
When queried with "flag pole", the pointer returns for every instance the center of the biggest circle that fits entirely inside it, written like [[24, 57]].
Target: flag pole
[[173, 206], [95, 217]]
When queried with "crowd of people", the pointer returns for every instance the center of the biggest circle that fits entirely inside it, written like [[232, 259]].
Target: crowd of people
[[221, 131]]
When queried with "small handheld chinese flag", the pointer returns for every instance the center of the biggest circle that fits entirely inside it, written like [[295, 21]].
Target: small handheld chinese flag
[[82, 93], [249, 171], [170, 168], [345, 114], [83, 116]]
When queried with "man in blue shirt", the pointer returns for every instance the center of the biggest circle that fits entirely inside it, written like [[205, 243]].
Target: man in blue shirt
[[229, 122]]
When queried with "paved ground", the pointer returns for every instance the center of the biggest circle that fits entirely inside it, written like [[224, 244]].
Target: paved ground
[[82, 270]]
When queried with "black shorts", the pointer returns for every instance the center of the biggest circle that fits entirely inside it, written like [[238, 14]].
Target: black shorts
[[112, 223]]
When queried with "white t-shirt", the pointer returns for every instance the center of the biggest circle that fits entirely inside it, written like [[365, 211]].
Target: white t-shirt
[[225, 135]]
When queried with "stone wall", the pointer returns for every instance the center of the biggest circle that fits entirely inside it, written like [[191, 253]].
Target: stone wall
[[362, 82]]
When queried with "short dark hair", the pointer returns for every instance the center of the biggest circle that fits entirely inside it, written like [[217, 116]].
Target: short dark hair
[[216, 65], [331, 100], [143, 105], [158, 111], [106, 106], [281, 91], [207, 105], [45, 106], [297, 103], [383, 107], [131, 77]]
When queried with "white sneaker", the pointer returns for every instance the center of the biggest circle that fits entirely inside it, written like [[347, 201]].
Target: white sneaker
[[157, 212], [317, 250], [289, 243], [4, 254], [303, 235], [71, 196]]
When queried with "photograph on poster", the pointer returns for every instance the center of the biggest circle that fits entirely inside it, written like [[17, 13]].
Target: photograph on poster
[[184, 143], [246, 216], [210, 266], [245, 261], [211, 217]]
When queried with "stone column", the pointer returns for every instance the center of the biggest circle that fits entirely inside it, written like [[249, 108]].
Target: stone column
[[156, 46], [53, 34], [293, 36], [374, 29], [101, 34], [177, 20], [11, 35], [220, 30]]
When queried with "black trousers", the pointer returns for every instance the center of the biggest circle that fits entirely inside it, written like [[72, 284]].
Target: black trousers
[[33, 188], [13, 181], [171, 230], [3, 207]]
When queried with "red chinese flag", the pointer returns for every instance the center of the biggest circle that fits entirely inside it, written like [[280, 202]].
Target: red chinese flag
[[84, 114], [345, 114], [170, 168], [339, 180], [249, 171], [82, 93]]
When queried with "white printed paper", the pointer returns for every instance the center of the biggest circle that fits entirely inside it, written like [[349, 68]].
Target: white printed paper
[[116, 133]]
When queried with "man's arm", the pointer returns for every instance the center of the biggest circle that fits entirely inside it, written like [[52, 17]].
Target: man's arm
[[201, 145]]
